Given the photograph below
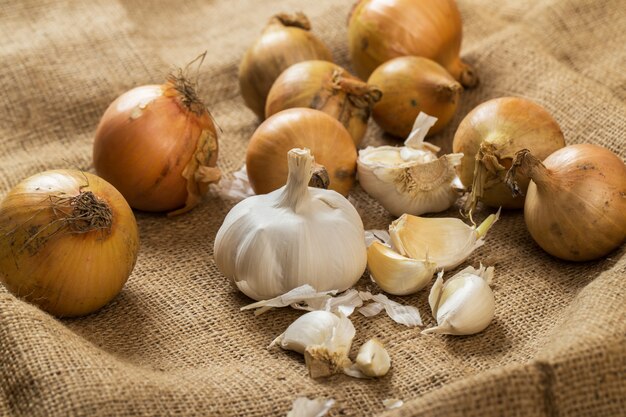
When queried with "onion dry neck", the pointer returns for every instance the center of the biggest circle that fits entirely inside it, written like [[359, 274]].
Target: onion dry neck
[[298, 20], [78, 214], [526, 165]]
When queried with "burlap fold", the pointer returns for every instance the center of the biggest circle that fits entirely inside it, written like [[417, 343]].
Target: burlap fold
[[174, 341]]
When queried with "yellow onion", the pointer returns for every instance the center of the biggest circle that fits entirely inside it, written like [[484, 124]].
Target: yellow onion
[[285, 41], [575, 206], [380, 30], [490, 135], [68, 242], [411, 85], [325, 86], [330, 143], [157, 145]]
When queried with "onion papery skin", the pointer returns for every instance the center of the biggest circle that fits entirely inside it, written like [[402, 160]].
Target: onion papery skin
[[411, 85], [575, 207], [330, 143], [496, 130], [158, 147], [58, 263], [286, 40], [380, 30], [325, 86]]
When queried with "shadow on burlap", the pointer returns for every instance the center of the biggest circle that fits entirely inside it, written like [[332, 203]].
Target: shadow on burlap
[[174, 342]]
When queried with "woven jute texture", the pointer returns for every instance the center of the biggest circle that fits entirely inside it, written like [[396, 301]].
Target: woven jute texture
[[174, 341]]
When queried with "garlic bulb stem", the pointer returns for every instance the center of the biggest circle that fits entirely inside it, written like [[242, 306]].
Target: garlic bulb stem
[[297, 188]]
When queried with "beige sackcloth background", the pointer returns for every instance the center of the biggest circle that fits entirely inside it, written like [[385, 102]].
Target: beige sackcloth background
[[174, 341]]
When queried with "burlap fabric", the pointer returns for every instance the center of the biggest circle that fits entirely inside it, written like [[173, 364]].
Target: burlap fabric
[[174, 341]]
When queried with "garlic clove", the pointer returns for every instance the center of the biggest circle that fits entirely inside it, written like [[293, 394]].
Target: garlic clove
[[396, 274], [446, 241], [312, 328], [372, 359], [323, 338], [464, 304], [435, 293], [331, 356]]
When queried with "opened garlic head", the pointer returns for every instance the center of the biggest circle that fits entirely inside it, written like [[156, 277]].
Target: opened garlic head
[[397, 274], [464, 304], [410, 179], [445, 241], [270, 244]]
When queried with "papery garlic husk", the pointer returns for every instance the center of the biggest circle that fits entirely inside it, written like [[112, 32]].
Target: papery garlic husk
[[464, 304], [397, 274], [303, 407], [328, 87], [286, 40], [372, 359], [410, 179], [270, 244], [445, 241]]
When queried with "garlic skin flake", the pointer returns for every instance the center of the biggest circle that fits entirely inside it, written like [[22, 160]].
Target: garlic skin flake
[[445, 241], [397, 274], [464, 304], [303, 407], [270, 244], [410, 179], [373, 359]]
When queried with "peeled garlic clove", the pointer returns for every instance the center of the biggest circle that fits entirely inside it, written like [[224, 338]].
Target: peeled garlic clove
[[445, 241], [312, 328], [372, 359], [396, 274], [410, 179], [464, 304]]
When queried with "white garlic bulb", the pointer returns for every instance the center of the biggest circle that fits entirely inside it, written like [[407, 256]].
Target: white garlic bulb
[[410, 179], [445, 241], [464, 304], [372, 359], [397, 274], [270, 244]]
